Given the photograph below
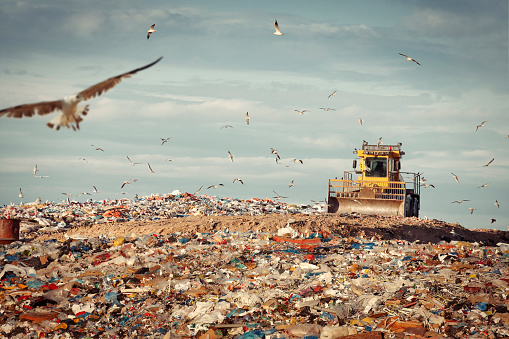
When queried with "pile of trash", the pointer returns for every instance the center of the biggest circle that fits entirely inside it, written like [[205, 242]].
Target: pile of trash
[[152, 207], [250, 285]]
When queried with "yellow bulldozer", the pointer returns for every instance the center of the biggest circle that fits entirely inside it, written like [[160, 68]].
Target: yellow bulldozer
[[380, 188]]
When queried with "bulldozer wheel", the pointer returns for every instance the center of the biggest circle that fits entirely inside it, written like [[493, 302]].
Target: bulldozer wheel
[[408, 206], [415, 207]]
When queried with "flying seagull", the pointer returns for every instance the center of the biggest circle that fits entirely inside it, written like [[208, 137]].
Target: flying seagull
[[379, 141], [132, 163], [459, 201], [493, 220], [291, 184], [95, 189], [35, 169], [481, 125], [455, 177], [230, 156], [409, 58], [226, 126], [247, 118], [297, 160], [165, 140], [301, 112], [20, 193], [471, 210], [198, 191], [151, 30], [496, 204], [239, 180], [360, 121], [69, 195], [278, 196], [333, 93], [489, 163], [98, 148], [426, 185], [150, 168], [276, 26], [125, 183], [484, 185], [70, 111], [215, 186], [327, 109], [83, 159], [273, 151]]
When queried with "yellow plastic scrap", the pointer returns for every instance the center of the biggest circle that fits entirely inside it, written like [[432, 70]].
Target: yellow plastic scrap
[[464, 244], [368, 321], [118, 241], [61, 326]]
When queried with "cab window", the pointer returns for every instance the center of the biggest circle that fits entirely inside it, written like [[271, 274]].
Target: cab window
[[376, 167]]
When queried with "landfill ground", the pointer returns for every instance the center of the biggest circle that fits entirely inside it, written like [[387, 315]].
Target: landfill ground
[[376, 227], [210, 267]]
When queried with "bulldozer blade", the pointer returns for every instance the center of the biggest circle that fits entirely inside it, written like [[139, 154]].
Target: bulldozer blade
[[366, 206]]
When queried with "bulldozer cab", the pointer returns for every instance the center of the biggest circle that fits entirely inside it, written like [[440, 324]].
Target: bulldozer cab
[[380, 187]]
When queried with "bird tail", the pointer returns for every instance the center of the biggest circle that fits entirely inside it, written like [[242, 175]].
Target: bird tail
[[73, 120]]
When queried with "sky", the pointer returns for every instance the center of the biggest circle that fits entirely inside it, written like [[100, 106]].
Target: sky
[[221, 60]]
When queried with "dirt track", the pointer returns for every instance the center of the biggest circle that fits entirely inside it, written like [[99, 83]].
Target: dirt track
[[379, 228]]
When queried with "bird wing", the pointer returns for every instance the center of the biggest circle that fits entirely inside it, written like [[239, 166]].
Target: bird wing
[[28, 110], [276, 26], [108, 84], [152, 27], [406, 56], [416, 62]]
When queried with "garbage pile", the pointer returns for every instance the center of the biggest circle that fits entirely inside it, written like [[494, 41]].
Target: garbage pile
[[153, 207], [250, 285]]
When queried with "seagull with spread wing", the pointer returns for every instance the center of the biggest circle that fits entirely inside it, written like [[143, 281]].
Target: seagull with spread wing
[[333, 93], [151, 30], [150, 168], [459, 201], [274, 151], [230, 156], [455, 177], [276, 27], [239, 180], [301, 112], [20, 193], [198, 191], [247, 118], [132, 163], [481, 125], [489, 163], [165, 140], [409, 58], [69, 110], [278, 197], [35, 169]]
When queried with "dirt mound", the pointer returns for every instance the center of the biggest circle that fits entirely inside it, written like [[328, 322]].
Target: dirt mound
[[376, 227]]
